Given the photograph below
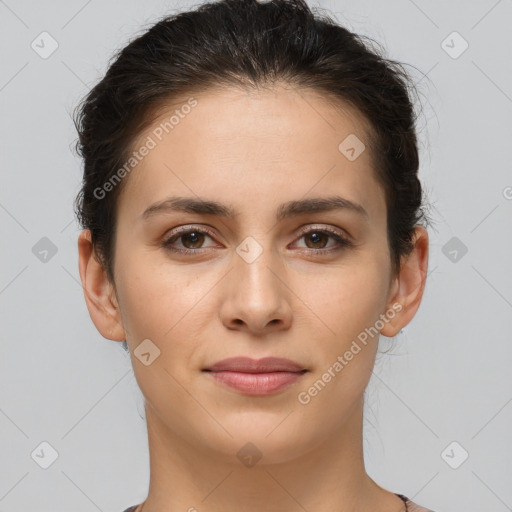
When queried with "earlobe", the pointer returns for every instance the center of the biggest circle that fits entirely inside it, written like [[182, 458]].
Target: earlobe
[[408, 287], [98, 291]]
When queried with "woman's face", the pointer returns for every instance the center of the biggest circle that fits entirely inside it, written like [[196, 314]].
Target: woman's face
[[247, 281]]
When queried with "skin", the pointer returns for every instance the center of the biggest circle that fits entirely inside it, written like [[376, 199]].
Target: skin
[[254, 151]]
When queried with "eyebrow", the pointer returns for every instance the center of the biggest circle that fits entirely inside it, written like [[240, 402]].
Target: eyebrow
[[284, 211]]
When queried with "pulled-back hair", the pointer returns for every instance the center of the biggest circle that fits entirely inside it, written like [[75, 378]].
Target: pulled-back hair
[[246, 43]]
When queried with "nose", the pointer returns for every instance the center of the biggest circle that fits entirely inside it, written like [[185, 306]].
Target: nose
[[256, 298]]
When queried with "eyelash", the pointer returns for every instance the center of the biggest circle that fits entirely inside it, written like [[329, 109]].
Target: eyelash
[[342, 241]]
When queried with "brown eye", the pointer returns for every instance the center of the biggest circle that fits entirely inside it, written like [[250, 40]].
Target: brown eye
[[318, 239], [191, 240], [194, 238]]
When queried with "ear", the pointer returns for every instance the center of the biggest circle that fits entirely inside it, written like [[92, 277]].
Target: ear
[[407, 288], [99, 292]]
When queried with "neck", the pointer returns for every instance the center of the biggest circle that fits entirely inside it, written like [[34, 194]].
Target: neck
[[330, 476]]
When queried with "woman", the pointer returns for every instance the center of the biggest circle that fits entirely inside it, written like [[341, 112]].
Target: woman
[[252, 222]]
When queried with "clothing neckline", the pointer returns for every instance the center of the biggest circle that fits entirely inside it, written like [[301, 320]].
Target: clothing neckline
[[405, 499]]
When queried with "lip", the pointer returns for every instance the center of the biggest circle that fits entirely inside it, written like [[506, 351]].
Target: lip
[[249, 365], [256, 376]]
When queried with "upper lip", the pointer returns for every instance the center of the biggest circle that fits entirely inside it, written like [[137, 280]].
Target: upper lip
[[249, 365]]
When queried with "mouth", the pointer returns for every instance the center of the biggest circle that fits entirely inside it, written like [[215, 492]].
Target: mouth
[[256, 377]]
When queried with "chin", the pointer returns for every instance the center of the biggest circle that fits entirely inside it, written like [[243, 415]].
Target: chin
[[261, 441]]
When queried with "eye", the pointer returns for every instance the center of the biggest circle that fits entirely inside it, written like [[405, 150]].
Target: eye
[[316, 240], [191, 238]]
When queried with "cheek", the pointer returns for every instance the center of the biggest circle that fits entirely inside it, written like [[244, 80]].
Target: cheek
[[161, 306], [343, 301], [166, 304], [346, 303], [346, 307], [153, 297]]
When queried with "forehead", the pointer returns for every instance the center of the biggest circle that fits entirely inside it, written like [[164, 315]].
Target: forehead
[[233, 145]]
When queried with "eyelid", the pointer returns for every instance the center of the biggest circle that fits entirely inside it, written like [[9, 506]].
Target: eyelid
[[188, 228], [306, 228]]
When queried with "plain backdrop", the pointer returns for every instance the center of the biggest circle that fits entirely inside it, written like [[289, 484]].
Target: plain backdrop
[[439, 411]]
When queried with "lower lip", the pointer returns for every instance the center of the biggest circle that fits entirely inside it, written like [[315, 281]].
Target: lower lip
[[257, 383]]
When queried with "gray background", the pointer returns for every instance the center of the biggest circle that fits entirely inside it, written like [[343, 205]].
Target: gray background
[[448, 376]]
